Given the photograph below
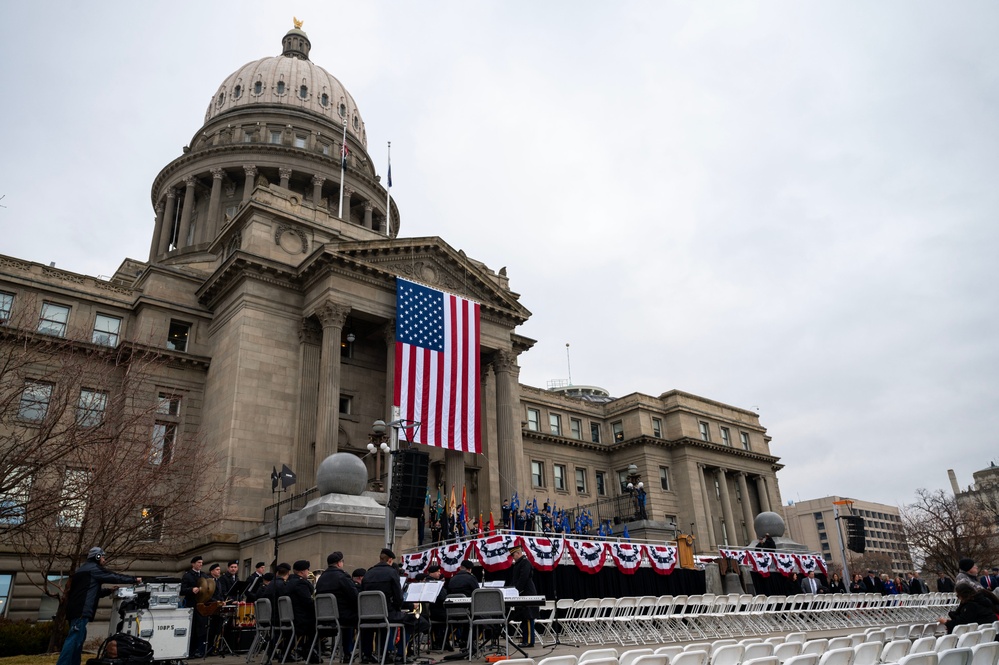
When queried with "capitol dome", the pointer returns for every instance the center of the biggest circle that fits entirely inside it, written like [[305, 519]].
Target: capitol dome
[[289, 80]]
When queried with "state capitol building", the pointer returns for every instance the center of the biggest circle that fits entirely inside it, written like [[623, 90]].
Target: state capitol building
[[268, 307]]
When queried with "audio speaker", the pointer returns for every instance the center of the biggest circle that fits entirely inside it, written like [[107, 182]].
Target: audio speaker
[[855, 536], [409, 482]]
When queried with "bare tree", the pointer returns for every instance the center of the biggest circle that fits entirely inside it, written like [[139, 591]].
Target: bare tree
[[85, 460], [879, 561], [940, 532]]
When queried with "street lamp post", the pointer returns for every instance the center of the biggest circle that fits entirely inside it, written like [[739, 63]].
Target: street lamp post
[[377, 444], [379, 428], [636, 488]]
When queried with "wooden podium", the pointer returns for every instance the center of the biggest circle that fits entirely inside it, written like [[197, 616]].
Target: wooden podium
[[685, 550]]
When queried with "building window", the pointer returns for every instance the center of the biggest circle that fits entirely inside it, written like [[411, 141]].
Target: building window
[[534, 420], [324, 148], [705, 432], [343, 111], [356, 124], [664, 478], [73, 498], [164, 440], [537, 473], [601, 483], [14, 499], [91, 407], [303, 92], [151, 527], [280, 87], [744, 438], [595, 432], [299, 141], [580, 481], [248, 136], [622, 479], [657, 428], [35, 398], [53, 319], [276, 137], [6, 303], [258, 87], [726, 437], [345, 404], [717, 489], [177, 335], [618, 430], [49, 604], [6, 584], [555, 423], [106, 330], [221, 100], [559, 471], [324, 99], [576, 428], [169, 405], [237, 92], [724, 533]]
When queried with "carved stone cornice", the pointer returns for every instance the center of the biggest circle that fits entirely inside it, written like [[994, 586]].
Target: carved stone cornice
[[332, 314], [318, 180], [249, 170], [505, 361], [368, 206], [284, 172], [190, 181], [218, 173]]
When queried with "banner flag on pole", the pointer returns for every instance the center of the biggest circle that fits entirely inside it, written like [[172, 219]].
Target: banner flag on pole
[[437, 366]]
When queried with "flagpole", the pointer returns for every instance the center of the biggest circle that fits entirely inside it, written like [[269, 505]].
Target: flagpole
[[343, 166], [388, 194]]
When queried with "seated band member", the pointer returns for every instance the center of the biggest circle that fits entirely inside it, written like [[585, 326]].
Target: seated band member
[[336, 581], [271, 592], [189, 585], [438, 615], [300, 590], [255, 581], [385, 578]]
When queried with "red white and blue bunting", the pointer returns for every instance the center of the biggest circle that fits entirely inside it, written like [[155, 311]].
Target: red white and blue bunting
[[589, 557], [451, 557], [414, 564], [662, 558], [494, 552], [627, 557], [543, 553], [738, 555], [761, 561], [785, 563], [810, 563]]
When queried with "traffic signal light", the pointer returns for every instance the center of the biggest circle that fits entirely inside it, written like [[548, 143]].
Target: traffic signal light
[[855, 541]]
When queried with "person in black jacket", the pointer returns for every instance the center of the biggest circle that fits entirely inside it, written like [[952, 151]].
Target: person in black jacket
[[85, 590], [976, 606], [385, 578], [522, 579], [299, 589], [229, 578], [255, 582], [944, 583], [272, 592], [336, 581], [463, 583], [189, 584]]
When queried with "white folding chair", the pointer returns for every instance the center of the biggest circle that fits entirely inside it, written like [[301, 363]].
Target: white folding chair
[[787, 650], [670, 652], [814, 646], [803, 659], [729, 654], [985, 653], [519, 661], [945, 642], [695, 657], [595, 654], [955, 656], [894, 650], [969, 639], [651, 659], [963, 628], [796, 637], [629, 656], [920, 659], [758, 650], [867, 653], [762, 660], [842, 656], [923, 645], [567, 659], [840, 643]]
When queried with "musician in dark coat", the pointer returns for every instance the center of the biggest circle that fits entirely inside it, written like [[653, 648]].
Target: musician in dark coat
[[336, 581], [944, 583], [299, 590], [189, 585], [255, 582], [522, 579], [385, 578], [463, 583], [229, 579]]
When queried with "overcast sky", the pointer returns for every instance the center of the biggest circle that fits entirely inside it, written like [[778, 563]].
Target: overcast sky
[[785, 206]]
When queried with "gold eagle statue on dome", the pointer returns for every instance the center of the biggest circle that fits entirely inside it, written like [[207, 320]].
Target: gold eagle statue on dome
[[298, 24]]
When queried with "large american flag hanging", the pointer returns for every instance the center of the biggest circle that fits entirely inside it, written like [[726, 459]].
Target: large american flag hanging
[[437, 367]]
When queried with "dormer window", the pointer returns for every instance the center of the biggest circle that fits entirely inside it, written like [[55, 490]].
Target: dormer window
[[324, 100], [280, 87], [343, 110], [221, 99], [258, 88], [237, 92], [356, 123], [303, 92]]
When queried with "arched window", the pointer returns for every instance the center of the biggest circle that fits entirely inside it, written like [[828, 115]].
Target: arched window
[[221, 99], [343, 110], [356, 123], [324, 100], [280, 87], [258, 88], [237, 92], [303, 92]]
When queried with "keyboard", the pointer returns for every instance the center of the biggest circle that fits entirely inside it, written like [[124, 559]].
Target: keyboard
[[519, 601]]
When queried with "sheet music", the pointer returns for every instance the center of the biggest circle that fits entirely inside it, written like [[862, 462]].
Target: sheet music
[[493, 584], [510, 592], [423, 592]]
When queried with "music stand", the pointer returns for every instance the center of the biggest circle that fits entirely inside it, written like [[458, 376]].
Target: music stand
[[237, 589]]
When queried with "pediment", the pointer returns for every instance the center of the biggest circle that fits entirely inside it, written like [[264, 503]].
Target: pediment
[[433, 262]]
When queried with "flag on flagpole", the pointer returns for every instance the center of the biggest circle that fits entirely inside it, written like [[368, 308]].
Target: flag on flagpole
[[492, 525], [388, 194], [464, 504], [625, 534], [437, 366]]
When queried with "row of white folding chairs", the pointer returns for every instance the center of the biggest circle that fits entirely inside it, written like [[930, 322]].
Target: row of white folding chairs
[[650, 620]]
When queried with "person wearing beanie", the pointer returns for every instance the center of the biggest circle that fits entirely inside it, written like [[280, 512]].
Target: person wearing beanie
[[85, 591], [968, 573], [300, 590], [336, 581], [977, 605], [463, 583]]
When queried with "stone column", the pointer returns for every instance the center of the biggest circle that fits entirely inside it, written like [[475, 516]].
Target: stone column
[[317, 189], [702, 475], [761, 489], [347, 192], [185, 213], [747, 508], [507, 371], [384, 224], [166, 233], [309, 340], [332, 315], [154, 244], [251, 176], [368, 208], [285, 174], [389, 333], [454, 473], [726, 500], [214, 206]]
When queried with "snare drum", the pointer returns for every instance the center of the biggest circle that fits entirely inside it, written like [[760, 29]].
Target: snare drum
[[245, 617]]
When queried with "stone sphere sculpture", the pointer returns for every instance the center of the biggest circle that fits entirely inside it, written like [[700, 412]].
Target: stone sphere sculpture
[[342, 473], [765, 523]]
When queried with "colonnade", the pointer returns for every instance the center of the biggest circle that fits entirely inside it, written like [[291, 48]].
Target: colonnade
[[707, 477]]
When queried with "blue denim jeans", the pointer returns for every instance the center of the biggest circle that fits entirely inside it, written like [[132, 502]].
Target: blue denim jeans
[[72, 648]]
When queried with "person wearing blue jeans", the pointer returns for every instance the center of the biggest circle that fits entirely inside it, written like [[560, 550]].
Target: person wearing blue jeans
[[85, 590]]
